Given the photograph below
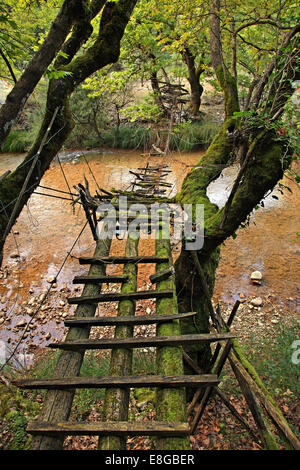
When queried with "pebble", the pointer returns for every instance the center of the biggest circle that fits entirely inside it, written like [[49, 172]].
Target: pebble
[[257, 302], [31, 301], [256, 277]]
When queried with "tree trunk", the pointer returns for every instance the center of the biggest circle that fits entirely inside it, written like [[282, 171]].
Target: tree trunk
[[105, 50], [194, 74], [71, 11]]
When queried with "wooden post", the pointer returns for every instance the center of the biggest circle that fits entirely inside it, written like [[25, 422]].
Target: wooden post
[[57, 403], [170, 403], [117, 400]]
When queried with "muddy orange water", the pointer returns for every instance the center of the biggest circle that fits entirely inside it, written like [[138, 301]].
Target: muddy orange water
[[47, 228]]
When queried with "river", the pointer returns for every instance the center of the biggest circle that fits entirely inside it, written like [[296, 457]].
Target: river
[[47, 228]]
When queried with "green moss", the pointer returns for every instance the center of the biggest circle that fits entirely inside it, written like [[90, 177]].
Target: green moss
[[170, 403], [117, 400], [229, 87]]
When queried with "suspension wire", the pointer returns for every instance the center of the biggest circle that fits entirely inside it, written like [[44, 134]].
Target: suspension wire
[[65, 178], [55, 196], [18, 251], [24, 187], [57, 190], [4, 207], [86, 161], [44, 297]]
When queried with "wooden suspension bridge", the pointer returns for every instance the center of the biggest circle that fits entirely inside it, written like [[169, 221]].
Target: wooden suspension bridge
[[53, 425]]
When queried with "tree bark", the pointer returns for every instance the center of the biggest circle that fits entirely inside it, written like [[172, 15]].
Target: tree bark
[[194, 74], [70, 12], [105, 50], [268, 158]]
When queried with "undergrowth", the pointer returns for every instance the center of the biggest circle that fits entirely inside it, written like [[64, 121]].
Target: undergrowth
[[271, 357], [16, 142]]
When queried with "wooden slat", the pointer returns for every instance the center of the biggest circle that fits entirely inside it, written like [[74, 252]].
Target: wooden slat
[[157, 341], [119, 382], [99, 279], [115, 296], [162, 275], [123, 260], [118, 428], [137, 320]]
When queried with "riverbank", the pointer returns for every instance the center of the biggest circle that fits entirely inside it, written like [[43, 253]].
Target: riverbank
[[47, 228]]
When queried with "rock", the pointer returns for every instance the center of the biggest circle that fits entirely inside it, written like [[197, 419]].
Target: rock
[[48, 336], [62, 303], [21, 323], [51, 279], [14, 255], [148, 310], [257, 302], [256, 277], [29, 311]]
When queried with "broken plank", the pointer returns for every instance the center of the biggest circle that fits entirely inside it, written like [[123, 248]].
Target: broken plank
[[141, 342], [162, 275], [137, 320], [123, 260], [99, 279], [117, 297]]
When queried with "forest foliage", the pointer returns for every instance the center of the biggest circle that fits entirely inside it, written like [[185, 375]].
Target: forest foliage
[[123, 105]]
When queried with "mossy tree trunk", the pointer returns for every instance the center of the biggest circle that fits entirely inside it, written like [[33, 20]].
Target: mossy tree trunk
[[71, 12], [104, 50], [170, 402], [265, 159]]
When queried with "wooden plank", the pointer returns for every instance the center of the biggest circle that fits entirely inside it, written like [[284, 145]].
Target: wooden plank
[[137, 320], [123, 260], [99, 279], [117, 297], [162, 275], [108, 343], [119, 382], [119, 428]]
